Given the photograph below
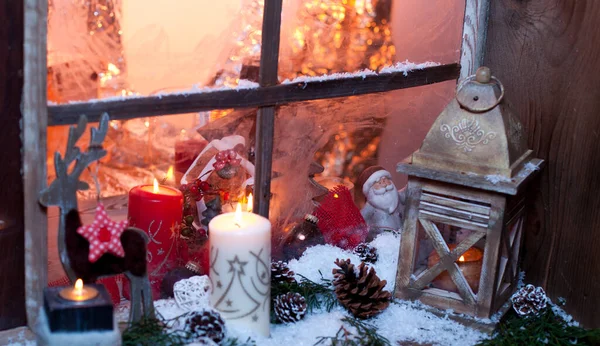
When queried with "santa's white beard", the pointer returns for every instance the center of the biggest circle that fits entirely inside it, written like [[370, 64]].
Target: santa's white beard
[[386, 199]]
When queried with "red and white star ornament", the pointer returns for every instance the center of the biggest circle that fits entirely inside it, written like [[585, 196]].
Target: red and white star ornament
[[104, 235]]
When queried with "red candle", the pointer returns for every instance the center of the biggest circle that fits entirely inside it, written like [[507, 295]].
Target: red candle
[[157, 210]]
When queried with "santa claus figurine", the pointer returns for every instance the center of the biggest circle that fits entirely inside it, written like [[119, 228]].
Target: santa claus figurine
[[384, 203]]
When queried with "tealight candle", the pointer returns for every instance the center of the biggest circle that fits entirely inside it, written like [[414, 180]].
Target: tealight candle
[[240, 269], [78, 293], [470, 264]]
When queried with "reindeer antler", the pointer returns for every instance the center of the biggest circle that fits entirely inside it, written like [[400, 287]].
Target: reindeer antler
[[63, 190]]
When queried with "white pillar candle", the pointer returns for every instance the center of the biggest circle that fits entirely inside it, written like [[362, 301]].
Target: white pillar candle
[[240, 269]]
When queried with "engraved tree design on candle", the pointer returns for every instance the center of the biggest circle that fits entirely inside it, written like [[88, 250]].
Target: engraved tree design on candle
[[255, 286]]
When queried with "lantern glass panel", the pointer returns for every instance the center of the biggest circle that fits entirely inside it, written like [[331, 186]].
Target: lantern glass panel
[[434, 240]]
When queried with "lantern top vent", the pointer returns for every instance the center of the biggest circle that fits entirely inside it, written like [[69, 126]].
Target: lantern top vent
[[475, 137]]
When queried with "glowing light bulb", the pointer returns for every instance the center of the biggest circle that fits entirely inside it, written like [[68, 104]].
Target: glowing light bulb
[[155, 186], [335, 195], [250, 203], [461, 259], [147, 123]]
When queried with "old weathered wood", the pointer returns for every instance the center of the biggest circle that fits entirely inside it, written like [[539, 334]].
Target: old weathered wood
[[243, 98], [34, 153], [490, 183], [491, 256], [411, 285], [474, 36], [547, 53], [265, 119], [12, 277]]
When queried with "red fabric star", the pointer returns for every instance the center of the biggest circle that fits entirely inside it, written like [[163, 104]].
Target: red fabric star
[[104, 235]]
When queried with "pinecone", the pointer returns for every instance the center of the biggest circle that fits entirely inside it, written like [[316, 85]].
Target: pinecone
[[362, 294], [529, 300], [366, 252], [289, 307], [280, 272], [206, 324]]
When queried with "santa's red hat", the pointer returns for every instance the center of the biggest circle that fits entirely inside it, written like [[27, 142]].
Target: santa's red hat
[[369, 177]]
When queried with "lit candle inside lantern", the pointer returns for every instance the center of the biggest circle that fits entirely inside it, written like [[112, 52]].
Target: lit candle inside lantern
[[79, 292], [157, 210], [470, 264], [240, 256]]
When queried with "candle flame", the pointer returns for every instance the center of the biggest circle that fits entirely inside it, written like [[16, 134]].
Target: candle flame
[[155, 186], [461, 259], [169, 173], [335, 195], [78, 287], [238, 214], [250, 203]]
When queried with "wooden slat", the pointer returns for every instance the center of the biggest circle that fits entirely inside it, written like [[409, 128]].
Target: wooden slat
[[470, 225], [265, 120], [467, 216], [486, 295], [407, 253], [474, 36], [34, 154], [455, 203], [259, 97]]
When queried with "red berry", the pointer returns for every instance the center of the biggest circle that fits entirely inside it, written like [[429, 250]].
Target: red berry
[[219, 165], [225, 196], [231, 154], [204, 186], [221, 155], [194, 190]]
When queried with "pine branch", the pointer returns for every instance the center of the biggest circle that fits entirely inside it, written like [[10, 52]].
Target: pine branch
[[237, 342], [366, 334], [153, 331], [544, 329], [317, 295]]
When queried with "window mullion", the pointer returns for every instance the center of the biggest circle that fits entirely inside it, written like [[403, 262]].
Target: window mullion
[[265, 121]]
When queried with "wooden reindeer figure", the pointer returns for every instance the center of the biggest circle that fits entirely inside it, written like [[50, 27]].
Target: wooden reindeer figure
[[73, 247]]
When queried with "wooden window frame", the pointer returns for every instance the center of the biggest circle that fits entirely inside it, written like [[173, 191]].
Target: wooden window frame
[[37, 115]]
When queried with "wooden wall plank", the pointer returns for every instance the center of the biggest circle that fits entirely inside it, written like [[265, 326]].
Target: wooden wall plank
[[269, 96], [12, 268], [547, 54], [34, 154], [474, 36]]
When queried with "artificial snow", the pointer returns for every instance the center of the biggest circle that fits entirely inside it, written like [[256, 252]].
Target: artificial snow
[[496, 178], [196, 89], [404, 67], [401, 321]]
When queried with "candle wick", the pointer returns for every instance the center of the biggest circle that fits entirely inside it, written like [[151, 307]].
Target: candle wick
[[238, 225]]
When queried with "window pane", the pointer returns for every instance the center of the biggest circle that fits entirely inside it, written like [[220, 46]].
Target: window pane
[[323, 37], [142, 150], [108, 48], [345, 136]]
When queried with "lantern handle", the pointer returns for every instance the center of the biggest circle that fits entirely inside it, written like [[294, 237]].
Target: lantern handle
[[482, 76]]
